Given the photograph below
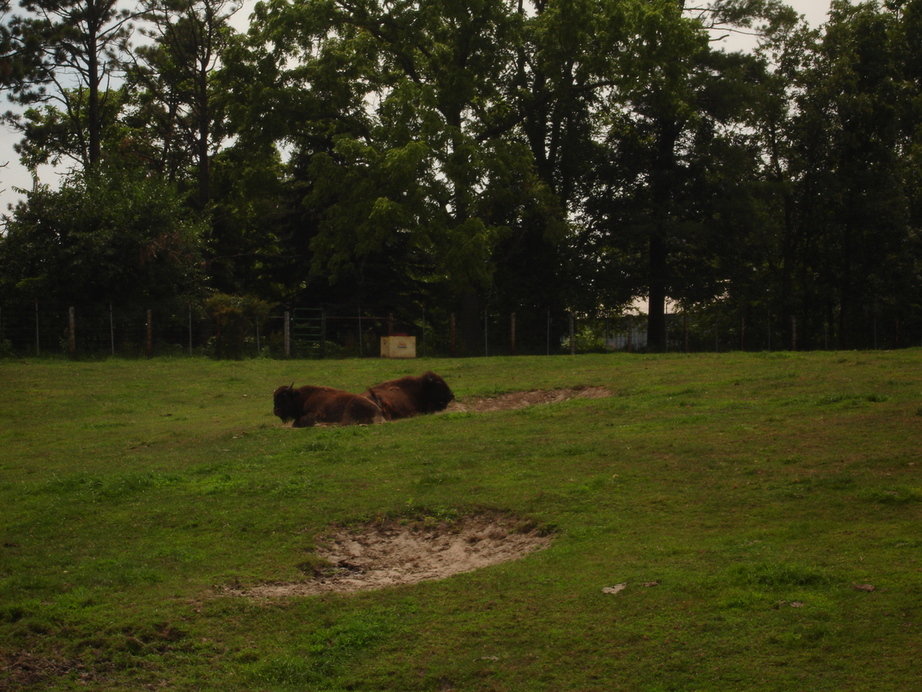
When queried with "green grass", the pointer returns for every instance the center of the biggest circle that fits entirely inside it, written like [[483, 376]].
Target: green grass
[[755, 489]]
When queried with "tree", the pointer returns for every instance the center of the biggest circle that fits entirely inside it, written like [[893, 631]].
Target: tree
[[787, 50], [50, 135], [653, 115], [18, 54], [854, 203], [392, 120], [76, 49], [566, 77], [674, 193], [176, 100], [112, 235]]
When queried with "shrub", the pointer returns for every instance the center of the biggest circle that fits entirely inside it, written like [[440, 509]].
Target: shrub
[[235, 319]]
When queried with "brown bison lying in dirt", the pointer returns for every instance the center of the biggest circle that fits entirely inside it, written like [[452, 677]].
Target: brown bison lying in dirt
[[309, 405], [411, 396]]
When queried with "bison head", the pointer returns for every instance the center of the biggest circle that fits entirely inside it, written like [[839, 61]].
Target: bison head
[[437, 392], [286, 403]]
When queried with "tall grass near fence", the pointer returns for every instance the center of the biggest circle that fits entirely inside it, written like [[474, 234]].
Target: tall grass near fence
[[721, 522]]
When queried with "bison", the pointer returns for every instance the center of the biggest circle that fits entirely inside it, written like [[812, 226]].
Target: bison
[[410, 396], [309, 405]]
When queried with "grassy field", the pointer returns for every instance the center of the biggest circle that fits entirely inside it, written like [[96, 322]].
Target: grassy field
[[775, 500]]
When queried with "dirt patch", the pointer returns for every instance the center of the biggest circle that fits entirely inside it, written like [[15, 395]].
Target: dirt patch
[[517, 400], [24, 670], [393, 553]]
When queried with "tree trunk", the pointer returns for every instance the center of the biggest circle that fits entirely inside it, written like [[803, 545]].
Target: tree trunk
[[656, 306], [662, 181], [204, 134], [94, 126], [470, 324]]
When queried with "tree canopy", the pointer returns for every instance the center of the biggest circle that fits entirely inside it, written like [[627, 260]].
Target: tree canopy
[[541, 157]]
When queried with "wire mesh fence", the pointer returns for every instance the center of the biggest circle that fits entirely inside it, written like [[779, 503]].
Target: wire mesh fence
[[47, 329], [106, 329]]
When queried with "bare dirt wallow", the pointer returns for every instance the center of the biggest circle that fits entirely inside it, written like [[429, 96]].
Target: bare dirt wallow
[[392, 553], [517, 400]]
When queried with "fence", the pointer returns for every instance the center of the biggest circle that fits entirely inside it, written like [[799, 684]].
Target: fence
[[41, 329], [100, 330], [45, 329]]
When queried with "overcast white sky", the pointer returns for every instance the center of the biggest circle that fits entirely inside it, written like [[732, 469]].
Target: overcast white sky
[[13, 175]]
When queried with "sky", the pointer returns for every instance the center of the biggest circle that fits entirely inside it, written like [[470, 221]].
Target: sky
[[13, 175]]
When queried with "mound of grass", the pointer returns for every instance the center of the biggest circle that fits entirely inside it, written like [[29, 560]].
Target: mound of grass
[[732, 521]]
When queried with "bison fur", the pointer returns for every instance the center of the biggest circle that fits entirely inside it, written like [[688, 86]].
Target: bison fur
[[309, 405], [411, 396]]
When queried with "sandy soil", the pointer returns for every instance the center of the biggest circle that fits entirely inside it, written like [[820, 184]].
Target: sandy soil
[[393, 553], [517, 400]]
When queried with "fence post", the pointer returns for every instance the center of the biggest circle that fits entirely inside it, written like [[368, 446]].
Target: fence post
[[361, 345], [38, 349], [572, 336], [190, 329], [286, 328], [453, 334], [793, 333], [742, 332], [512, 334], [111, 330], [323, 333], [685, 329], [71, 331], [149, 341], [548, 331], [486, 333]]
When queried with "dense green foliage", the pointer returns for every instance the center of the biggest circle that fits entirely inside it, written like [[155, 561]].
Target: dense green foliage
[[528, 157], [112, 237], [761, 492]]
